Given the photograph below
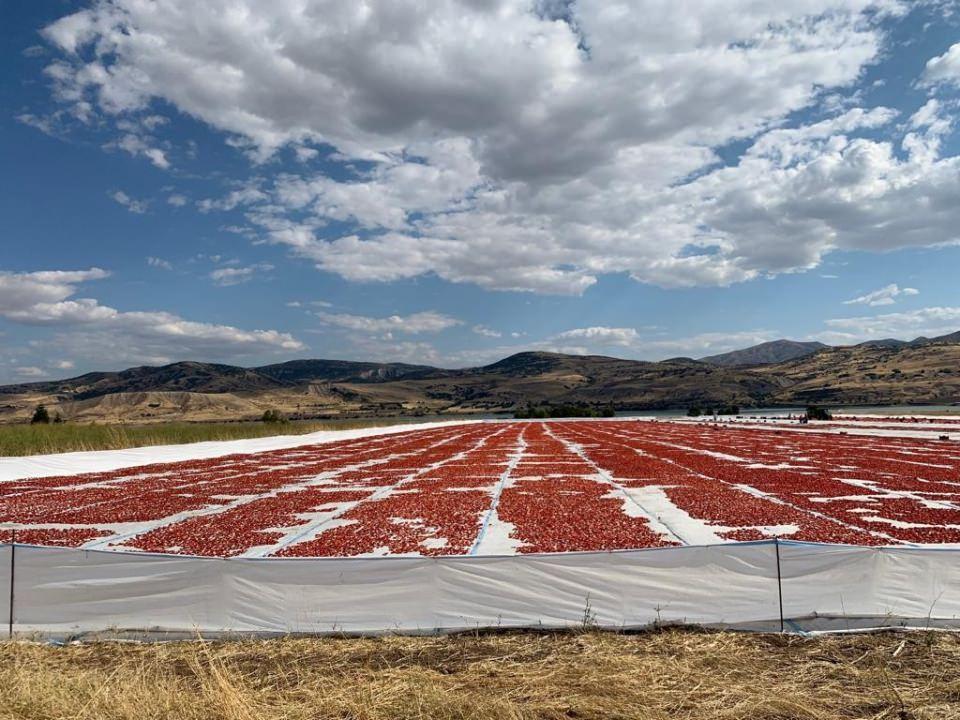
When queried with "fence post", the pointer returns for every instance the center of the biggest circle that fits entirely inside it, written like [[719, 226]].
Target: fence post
[[13, 563], [776, 545]]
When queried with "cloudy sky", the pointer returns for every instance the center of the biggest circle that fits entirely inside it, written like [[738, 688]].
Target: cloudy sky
[[451, 181]]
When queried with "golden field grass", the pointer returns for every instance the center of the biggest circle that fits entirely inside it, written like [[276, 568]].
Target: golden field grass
[[69, 437], [667, 674]]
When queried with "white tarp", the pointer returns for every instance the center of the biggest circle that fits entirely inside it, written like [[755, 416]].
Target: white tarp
[[75, 463], [836, 587], [6, 551], [71, 592]]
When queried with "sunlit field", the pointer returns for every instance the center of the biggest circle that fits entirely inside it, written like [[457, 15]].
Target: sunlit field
[[43, 439]]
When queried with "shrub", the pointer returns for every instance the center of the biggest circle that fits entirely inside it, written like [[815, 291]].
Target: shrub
[[40, 416], [272, 416], [542, 412], [694, 412], [815, 412]]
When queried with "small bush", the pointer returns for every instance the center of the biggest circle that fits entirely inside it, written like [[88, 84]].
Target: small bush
[[694, 412], [272, 416], [815, 412], [40, 416]]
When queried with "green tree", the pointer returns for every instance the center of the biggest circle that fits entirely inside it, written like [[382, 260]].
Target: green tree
[[40, 416], [815, 412]]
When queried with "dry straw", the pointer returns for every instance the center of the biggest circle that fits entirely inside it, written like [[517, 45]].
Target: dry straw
[[668, 674]]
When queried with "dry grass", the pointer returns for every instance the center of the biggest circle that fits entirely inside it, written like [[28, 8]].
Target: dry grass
[[669, 674], [17, 440]]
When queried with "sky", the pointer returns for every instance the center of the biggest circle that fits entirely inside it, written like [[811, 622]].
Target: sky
[[453, 181]]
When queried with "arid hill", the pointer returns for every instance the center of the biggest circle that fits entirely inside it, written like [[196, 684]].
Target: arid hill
[[885, 372], [766, 353], [870, 375]]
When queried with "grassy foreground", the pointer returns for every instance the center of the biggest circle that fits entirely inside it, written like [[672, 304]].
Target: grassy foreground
[[669, 674], [44, 439]]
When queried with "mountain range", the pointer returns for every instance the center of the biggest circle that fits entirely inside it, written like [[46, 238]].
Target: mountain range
[[783, 372]]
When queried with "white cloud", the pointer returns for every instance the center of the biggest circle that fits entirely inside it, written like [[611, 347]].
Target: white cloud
[[943, 68], [428, 321], [177, 200], [648, 346], [29, 371], [929, 322], [135, 206], [602, 335], [38, 297], [227, 276], [884, 296], [91, 330], [385, 349], [64, 365], [137, 146], [159, 263], [486, 332], [702, 344], [512, 149]]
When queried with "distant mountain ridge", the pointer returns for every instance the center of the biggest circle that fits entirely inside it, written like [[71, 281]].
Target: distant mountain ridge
[[765, 353], [777, 351], [925, 370]]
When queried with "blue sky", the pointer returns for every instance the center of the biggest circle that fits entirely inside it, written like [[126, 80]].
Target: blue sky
[[452, 182]]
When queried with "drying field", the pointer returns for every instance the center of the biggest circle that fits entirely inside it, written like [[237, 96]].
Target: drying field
[[505, 488]]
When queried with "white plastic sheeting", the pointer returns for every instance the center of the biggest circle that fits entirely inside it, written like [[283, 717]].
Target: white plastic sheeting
[[6, 557], [69, 592], [839, 587], [63, 593], [75, 463]]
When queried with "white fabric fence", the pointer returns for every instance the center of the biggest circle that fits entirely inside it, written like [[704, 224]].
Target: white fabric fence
[[6, 575], [838, 587], [62, 593]]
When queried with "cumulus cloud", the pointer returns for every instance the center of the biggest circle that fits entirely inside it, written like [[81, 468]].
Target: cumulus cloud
[[602, 335], [88, 329], [653, 346], [943, 68], [428, 321], [884, 296], [37, 297], [929, 322], [517, 147]]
